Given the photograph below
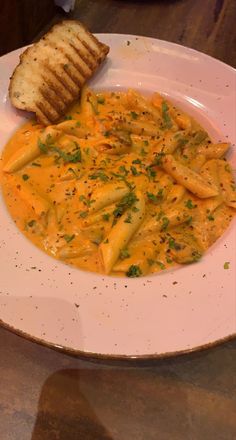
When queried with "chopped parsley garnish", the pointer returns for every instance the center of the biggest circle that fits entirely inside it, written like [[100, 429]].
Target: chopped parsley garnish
[[189, 204], [124, 253], [136, 161], [134, 115], [106, 217], [155, 198], [123, 170], [73, 157], [126, 202], [134, 271], [165, 115], [25, 177], [134, 171], [173, 245], [68, 118], [158, 158], [69, 157], [101, 99], [151, 172], [128, 218], [83, 214], [226, 265], [211, 218], [162, 266], [43, 147], [165, 223], [99, 175], [69, 238]]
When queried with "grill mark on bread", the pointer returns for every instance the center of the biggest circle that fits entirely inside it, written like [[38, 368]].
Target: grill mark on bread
[[92, 64], [53, 98], [52, 72], [55, 84]]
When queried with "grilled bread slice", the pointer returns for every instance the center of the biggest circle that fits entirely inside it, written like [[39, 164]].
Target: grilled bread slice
[[51, 73]]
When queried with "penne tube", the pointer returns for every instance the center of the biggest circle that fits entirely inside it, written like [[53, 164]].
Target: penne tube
[[168, 143], [49, 135], [213, 151], [197, 162], [98, 216], [140, 128], [29, 195], [74, 128], [227, 183], [176, 194], [171, 217], [135, 100], [22, 156], [191, 180], [76, 250], [108, 194], [209, 171], [121, 233], [140, 257]]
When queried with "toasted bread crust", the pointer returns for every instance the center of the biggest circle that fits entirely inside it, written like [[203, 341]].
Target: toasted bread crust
[[52, 72]]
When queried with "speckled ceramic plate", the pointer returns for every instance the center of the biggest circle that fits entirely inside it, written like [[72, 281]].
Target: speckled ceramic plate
[[177, 311]]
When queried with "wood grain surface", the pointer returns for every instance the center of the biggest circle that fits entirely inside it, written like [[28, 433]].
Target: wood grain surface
[[46, 395], [206, 25]]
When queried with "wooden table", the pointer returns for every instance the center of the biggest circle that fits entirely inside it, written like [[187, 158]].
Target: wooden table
[[46, 395]]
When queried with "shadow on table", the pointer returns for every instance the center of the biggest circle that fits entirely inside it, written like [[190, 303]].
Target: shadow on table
[[94, 403], [64, 413]]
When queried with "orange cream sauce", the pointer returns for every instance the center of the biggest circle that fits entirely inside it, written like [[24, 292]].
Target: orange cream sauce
[[100, 143]]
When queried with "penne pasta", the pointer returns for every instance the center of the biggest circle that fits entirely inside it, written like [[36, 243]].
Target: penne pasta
[[191, 180], [108, 194], [213, 151], [125, 185], [121, 233]]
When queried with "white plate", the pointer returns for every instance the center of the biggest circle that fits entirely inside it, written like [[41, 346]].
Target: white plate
[[84, 313]]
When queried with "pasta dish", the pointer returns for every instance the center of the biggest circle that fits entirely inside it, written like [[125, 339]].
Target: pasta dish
[[124, 185]]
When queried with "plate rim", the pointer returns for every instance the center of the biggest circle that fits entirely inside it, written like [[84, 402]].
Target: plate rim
[[94, 355]]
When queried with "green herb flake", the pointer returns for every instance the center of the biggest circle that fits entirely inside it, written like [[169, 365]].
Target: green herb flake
[[158, 158], [83, 214], [43, 147], [101, 99], [128, 219], [189, 204], [211, 218], [69, 238], [134, 271], [226, 265], [162, 266], [136, 161], [124, 253], [25, 177], [134, 171], [126, 202], [134, 115], [155, 198], [165, 115], [106, 217], [99, 175], [165, 223], [68, 118], [151, 172], [69, 157]]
